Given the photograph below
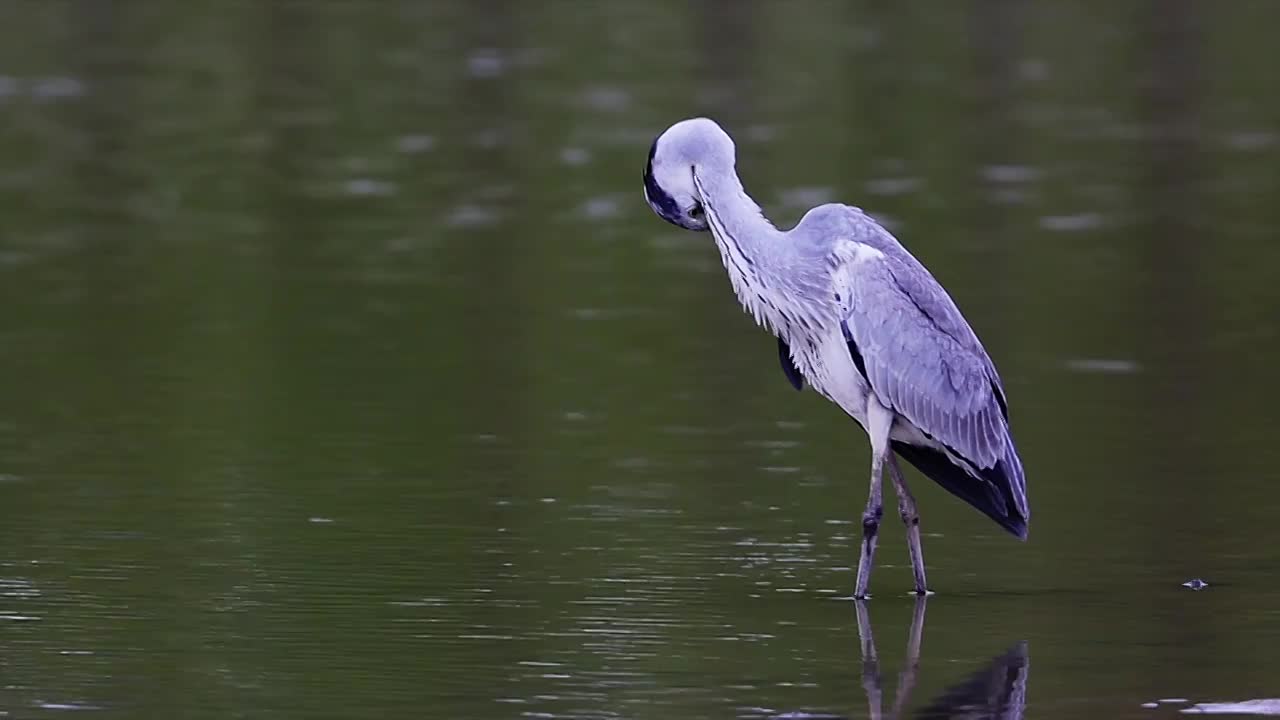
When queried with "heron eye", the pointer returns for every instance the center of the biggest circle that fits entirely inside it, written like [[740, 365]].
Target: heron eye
[[696, 212]]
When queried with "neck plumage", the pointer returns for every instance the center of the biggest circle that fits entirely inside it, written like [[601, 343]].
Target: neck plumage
[[749, 245]]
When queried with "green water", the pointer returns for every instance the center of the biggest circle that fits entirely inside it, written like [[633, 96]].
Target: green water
[[345, 373]]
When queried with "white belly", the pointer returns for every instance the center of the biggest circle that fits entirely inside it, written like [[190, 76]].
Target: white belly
[[830, 371]]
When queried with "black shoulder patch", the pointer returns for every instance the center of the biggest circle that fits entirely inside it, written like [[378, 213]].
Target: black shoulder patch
[[788, 366], [857, 359], [855, 353]]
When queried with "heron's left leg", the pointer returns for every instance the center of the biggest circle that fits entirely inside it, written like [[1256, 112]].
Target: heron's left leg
[[910, 518], [879, 420]]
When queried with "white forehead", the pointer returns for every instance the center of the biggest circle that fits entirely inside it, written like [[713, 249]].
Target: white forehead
[[697, 141]]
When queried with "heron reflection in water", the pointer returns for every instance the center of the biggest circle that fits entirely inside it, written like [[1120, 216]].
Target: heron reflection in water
[[998, 691]]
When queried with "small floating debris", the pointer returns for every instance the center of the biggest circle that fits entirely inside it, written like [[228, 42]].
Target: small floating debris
[[1195, 584], [1263, 706]]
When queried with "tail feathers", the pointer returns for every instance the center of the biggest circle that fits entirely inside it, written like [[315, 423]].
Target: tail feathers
[[1000, 493]]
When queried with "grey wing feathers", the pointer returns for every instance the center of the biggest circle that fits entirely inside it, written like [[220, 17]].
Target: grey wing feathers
[[928, 296], [922, 359]]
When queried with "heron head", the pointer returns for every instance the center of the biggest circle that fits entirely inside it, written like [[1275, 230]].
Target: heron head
[[695, 145]]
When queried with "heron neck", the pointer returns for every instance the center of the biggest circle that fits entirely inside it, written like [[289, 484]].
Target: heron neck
[[749, 246], [736, 220]]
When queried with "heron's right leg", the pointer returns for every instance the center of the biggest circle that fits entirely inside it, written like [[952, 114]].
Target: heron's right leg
[[879, 420], [911, 519]]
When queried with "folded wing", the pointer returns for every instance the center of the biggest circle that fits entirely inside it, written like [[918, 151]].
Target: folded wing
[[922, 360]]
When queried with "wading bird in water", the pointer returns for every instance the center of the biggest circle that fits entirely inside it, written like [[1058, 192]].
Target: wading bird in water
[[865, 325]]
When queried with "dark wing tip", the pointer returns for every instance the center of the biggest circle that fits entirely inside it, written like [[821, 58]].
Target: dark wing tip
[[992, 495], [1018, 527]]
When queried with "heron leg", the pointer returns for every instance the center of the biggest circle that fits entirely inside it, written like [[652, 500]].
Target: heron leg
[[911, 519], [879, 420]]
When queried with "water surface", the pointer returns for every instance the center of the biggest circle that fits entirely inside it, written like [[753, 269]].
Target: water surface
[[344, 372]]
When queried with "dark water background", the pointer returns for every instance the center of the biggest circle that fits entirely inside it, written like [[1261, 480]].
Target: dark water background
[[344, 372]]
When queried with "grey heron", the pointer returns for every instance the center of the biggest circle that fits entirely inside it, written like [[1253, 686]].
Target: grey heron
[[864, 324]]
